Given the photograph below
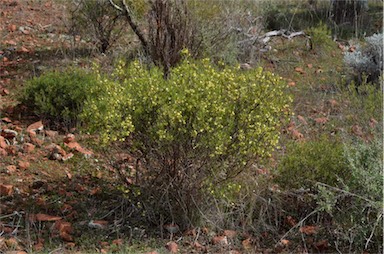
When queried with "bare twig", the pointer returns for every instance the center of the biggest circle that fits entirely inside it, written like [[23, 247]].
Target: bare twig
[[15, 213], [346, 192], [116, 6], [373, 230], [299, 224]]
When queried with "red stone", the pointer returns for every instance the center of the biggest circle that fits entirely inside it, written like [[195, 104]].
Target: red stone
[[69, 138], [3, 152], [28, 147], [37, 126], [6, 190], [23, 164], [3, 144]]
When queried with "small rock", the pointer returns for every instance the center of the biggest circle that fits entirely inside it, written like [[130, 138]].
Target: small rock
[[12, 28], [6, 190], [54, 148], [37, 141], [24, 49], [37, 126], [299, 70], [32, 134], [230, 233], [23, 165], [357, 130], [28, 147], [34, 139], [6, 120], [51, 134], [67, 157], [296, 134], [23, 30], [321, 120], [55, 156], [220, 240], [77, 147], [172, 247], [10, 169], [302, 120], [73, 145], [17, 128], [118, 241], [199, 247], [3, 143], [373, 122], [11, 150], [333, 103], [4, 91], [3, 152], [70, 245], [69, 138]]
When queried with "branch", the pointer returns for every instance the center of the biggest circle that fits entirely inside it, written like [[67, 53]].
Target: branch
[[265, 38], [127, 13], [116, 6]]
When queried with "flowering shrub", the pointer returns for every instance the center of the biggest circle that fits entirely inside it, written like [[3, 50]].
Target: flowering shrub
[[200, 126]]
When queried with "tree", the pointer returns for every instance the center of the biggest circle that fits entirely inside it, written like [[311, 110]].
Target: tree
[[348, 11], [99, 20], [170, 30]]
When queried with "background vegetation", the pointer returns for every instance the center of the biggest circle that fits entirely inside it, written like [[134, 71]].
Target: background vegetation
[[262, 118]]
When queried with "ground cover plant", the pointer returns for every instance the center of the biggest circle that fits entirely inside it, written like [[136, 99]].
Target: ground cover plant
[[196, 127]]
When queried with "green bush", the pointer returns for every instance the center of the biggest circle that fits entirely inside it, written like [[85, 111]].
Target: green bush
[[321, 36], [365, 162], [357, 206], [363, 102], [310, 162], [59, 96], [201, 126], [345, 181]]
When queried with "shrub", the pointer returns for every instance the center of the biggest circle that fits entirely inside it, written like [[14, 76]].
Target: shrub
[[346, 183], [201, 126], [59, 96], [365, 161], [356, 207], [366, 61], [364, 102], [307, 163], [321, 36], [98, 21]]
